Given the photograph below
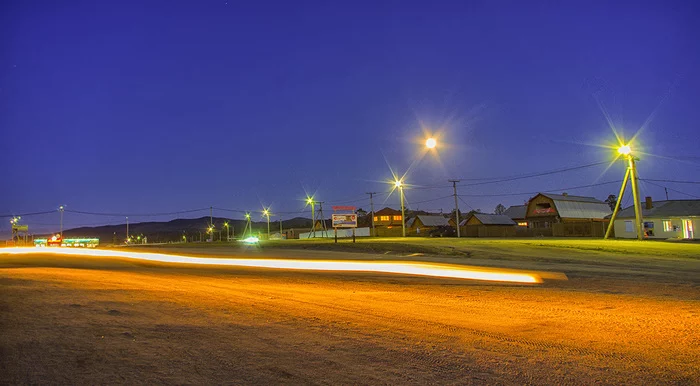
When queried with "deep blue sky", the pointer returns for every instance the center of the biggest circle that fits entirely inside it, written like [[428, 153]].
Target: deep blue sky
[[170, 105]]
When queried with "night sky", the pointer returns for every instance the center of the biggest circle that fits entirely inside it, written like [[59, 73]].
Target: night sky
[[124, 107]]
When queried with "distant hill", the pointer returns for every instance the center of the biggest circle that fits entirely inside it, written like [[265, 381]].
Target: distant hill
[[192, 229]]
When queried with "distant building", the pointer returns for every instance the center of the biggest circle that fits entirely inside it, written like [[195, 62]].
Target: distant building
[[517, 214], [678, 219], [421, 225], [387, 217], [488, 225], [546, 209]]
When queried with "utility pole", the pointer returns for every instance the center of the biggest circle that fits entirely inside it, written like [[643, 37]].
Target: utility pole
[[211, 223], [60, 208], [280, 228], [127, 230], [631, 175], [666, 190], [454, 187], [371, 207]]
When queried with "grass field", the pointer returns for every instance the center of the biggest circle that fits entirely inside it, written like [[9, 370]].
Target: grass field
[[628, 314]]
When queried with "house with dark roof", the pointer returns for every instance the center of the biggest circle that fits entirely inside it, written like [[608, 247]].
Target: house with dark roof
[[546, 209], [668, 219], [421, 225], [387, 217], [517, 214], [487, 225]]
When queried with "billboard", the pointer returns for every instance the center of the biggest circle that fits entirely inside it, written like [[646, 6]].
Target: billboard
[[344, 220]]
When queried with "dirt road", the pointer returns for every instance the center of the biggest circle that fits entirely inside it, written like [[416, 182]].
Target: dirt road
[[84, 320]]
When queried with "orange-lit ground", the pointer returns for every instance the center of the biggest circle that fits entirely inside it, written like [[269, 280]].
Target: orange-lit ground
[[78, 320]]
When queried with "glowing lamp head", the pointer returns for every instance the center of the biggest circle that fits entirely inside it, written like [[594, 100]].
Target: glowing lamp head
[[398, 183], [266, 212], [309, 200], [430, 143], [247, 215], [624, 149]]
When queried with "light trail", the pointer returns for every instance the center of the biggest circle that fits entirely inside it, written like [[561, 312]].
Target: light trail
[[405, 268]]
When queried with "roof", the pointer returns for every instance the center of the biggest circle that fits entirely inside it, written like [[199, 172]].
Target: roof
[[575, 209], [579, 206], [516, 211], [429, 221], [566, 197], [387, 211], [670, 208], [490, 219]]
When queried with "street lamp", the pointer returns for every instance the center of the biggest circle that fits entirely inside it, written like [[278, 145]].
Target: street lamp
[[310, 201], [248, 225], [266, 213], [430, 143], [61, 209], [631, 175], [399, 185], [228, 237]]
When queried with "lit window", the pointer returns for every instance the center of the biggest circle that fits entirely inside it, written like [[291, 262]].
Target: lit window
[[629, 226], [384, 218], [397, 218], [375, 218], [667, 226], [522, 223]]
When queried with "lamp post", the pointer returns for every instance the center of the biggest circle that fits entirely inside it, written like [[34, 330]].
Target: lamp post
[[266, 213], [60, 209], [127, 229], [630, 174], [248, 225], [399, 184], [310, 201], [228, 237]]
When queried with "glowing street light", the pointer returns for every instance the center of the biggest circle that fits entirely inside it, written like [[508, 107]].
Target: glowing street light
[[266, 213], [624, 149], [248, 225], [430, 143], [228, 237], [61, 209], [630, 174], [310, 201], [399, 184]]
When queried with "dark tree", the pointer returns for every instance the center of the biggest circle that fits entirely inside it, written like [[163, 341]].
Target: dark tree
[[500, 209], [361, 212], [611, 201]]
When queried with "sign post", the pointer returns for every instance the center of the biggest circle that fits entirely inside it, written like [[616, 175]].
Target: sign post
[[344, 220]]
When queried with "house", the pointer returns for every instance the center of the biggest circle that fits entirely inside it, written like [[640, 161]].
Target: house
[[517, 214], [421, 225], [662, 220], [387, 217], [546, 209], [488, 225]]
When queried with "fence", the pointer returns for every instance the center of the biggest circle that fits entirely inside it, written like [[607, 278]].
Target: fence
[[580, 229], [345, 232], [488, 231]]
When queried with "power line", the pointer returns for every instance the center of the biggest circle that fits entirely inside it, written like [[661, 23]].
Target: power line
[[514, 178], [673, 190], [28, 214], [670, 181], [541, 191], [135, 215]]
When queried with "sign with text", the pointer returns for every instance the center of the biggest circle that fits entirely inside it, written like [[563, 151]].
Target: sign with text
[[344, 220]]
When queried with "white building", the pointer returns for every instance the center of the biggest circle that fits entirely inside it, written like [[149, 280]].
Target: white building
[[672, 219]]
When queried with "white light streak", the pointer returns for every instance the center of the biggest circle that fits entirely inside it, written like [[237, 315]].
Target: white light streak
[[405, 268]]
